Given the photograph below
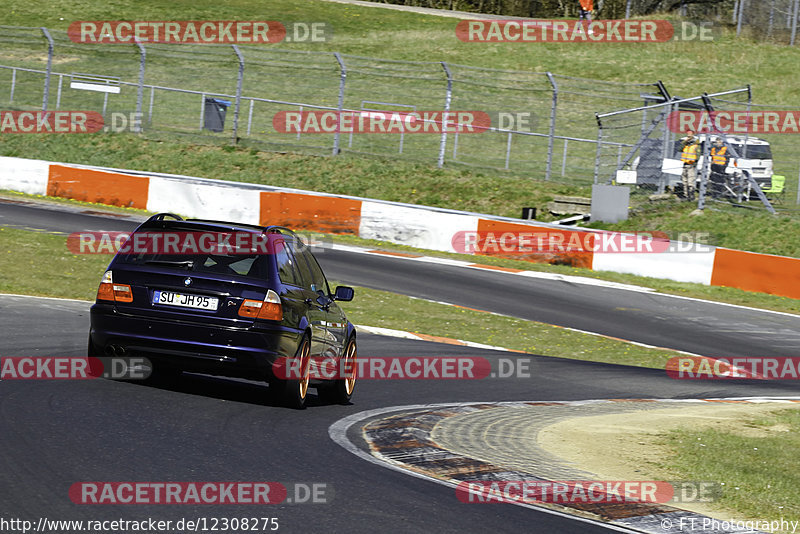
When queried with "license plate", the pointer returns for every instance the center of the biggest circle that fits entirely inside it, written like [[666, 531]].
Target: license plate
[[200, 302]]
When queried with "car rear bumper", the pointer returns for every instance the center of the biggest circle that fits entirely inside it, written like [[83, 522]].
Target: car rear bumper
[[245, 352]]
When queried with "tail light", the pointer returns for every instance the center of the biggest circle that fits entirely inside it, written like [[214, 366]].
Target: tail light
[[112, 292], [269, 309]]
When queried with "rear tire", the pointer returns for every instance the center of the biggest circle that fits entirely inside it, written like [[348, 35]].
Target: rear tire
[[341, 391], [95, 366], [295, 391]]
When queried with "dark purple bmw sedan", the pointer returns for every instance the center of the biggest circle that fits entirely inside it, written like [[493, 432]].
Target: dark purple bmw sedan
[[226, 299]]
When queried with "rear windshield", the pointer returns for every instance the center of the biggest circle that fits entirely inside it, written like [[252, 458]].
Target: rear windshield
[[242, 253], [245, 265]]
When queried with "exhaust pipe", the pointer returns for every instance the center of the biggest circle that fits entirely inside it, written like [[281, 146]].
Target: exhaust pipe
[[115, 350]]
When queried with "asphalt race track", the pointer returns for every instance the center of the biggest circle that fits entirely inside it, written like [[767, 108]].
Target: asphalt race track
[[55, 433]]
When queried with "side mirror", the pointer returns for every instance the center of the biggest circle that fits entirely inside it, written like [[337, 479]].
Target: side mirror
[[323, 300], [343, 293]]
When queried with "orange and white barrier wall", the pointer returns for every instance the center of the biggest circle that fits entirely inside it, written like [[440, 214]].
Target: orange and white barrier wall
[[416, 226]]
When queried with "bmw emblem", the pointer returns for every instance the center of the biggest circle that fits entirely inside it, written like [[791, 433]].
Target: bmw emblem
[[187, 282]]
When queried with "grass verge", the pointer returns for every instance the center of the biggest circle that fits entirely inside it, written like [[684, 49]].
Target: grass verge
[[38, 263], [756, 461]]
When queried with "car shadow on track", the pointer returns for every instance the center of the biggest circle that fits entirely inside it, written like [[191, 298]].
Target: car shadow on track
[[224, 388]]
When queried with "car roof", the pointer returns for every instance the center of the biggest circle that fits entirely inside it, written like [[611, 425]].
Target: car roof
[[170, 221]]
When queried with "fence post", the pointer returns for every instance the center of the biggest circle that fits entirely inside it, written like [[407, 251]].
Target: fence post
[[250, 116], [551, 141], [701, 193], [140, 89], [13, 85], [508, 149], [150, 109], [628, 9], [49, 67], [599, 145], [747, 132], [798, 188], [794, 21], [665, 149], [202, 110], [447, 99], [239, 83], [739, 18], [340, 105], [771, 17], [58, 93]]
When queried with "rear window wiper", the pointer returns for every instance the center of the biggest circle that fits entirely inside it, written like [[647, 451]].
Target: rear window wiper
[[188, 265]]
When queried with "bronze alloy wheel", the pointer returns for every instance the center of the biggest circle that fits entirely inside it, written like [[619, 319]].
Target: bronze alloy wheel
[[305, 365], [350, 367], [295, 390], [341, 390]]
